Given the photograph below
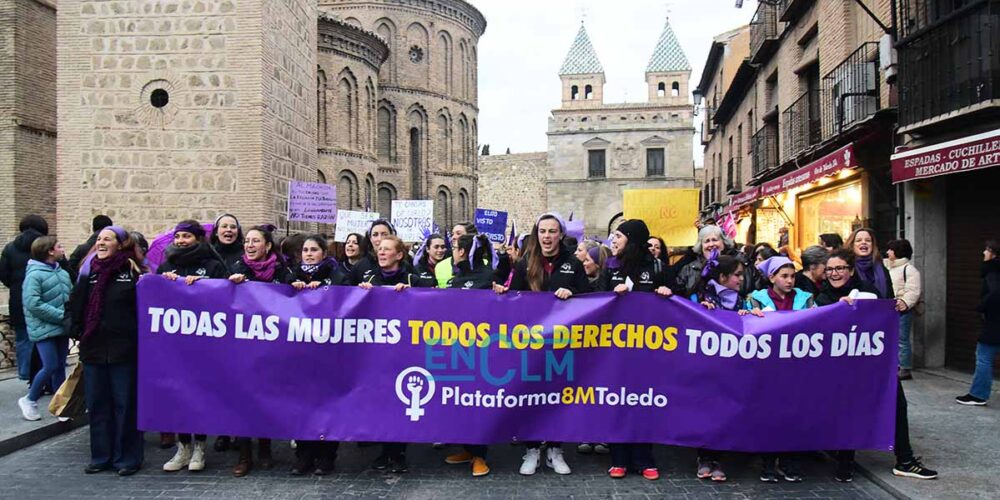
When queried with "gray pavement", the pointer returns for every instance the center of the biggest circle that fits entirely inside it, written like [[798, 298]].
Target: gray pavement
[[16, 432], [960, 442]]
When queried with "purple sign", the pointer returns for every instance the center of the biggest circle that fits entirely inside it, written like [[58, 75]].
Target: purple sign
[[492, 223], [342, 363], [312, 202]]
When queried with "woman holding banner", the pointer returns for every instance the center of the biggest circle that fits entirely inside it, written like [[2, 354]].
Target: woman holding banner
[[633, 270], [190, 258], [711, 240], [473, 255], [227, 239], [353, 253], [843, 285], [391, 272], [315, 269], [367, 266], [104, 313], [259, 263], [547, 266], [444, 269]]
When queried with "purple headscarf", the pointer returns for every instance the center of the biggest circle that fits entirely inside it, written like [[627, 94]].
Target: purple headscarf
[[771, 266]]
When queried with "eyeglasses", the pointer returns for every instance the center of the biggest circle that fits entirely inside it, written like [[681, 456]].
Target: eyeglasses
[[837, 269]]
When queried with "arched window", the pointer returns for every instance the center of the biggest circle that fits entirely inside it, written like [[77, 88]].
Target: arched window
[[661, 90], [463, 142], [415, 163], [444, 141], [447, 60], [386, 135], [320, 177], [347, 191], [442, 207], [588, 92], [463, 204], [386, 193], [321, 137], [574, 92], [675, 89], [369, 192], [346, 113]]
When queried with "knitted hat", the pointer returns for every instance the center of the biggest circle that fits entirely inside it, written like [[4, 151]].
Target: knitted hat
[[635, 230]]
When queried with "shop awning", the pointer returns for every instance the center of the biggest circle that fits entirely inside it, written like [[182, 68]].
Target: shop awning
[[738, 200], [827, 165], [960, 155]]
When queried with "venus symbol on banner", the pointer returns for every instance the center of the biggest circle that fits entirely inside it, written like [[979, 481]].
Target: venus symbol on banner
[[415, 379]]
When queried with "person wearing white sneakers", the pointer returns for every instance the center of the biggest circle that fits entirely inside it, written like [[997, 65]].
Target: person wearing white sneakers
[[190, 258], [548, 266], [45, 293]]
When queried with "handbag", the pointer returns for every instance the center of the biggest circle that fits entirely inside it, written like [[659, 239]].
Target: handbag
[[70, 400]]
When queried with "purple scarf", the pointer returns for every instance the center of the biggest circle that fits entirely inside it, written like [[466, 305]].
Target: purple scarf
[[263, 270], [873, 272], [728, 298], [105, 270]]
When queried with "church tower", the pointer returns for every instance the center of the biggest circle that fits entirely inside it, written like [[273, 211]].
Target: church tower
[[668, 72], [582, 75]]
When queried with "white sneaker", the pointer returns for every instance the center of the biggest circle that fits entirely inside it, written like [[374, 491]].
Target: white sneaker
[[554, 460], [64, 419], [530, 463], [181, 459], [197, 457], [29, 409]]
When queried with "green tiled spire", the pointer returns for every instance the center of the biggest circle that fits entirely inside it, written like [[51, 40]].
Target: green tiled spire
[[581, 60], [668, 55]]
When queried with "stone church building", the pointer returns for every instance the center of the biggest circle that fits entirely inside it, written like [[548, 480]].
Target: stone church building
[[596, 150], [174, 109]]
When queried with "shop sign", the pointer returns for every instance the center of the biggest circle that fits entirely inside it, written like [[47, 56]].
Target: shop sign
[[827, 165], [961, 155]]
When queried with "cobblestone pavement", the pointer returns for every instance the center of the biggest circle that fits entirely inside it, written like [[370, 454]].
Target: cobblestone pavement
[[54, 469]]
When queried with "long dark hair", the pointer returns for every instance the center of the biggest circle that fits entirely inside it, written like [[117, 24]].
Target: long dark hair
[[425, 256], [481, 255], [724, 265], [533, 254], [634, 255]]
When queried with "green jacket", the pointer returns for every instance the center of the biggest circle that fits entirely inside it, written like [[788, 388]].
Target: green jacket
[[45, 293], [443, 271]]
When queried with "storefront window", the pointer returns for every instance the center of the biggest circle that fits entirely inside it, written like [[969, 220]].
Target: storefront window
[[830, 211]]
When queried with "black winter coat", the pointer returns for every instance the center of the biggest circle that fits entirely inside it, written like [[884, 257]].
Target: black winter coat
[[76, 258], [989, 305], [13, 265], [403, 276], [116, 338], [829, 295], [479, 279], [647, 278], [282, 274], [368, 267], [202, 263], [230, 254], [802, 282], [328, 274], [567, 272]]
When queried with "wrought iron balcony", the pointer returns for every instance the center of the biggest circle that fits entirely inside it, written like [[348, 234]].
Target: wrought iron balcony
[[763, 32], [790, 10], [801, 125], [948, 59], [734, 179], [764, 149], [851, 90]]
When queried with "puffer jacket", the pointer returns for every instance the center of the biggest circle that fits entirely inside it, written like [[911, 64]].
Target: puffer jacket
[[13, 265], [46, 291], [905, 281]]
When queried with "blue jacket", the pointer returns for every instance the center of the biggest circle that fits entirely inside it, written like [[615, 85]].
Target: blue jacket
[[45, 293], [761, 300]]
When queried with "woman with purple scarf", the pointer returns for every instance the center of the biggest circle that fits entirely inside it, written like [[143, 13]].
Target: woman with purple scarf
[[259, 263], [103, 308], [868, 262]]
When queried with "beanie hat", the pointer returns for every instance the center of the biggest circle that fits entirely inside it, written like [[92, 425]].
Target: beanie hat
[[635, 230]]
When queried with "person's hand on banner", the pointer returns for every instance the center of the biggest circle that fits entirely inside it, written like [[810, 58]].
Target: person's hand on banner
[[313, 285], [664, 291], [366, 286], [189, 280], [499, 289], [299, 285], [170, 276], [753, 312], [563, 293], [710, 306], [237, 278], [400, 287], [621, 289]]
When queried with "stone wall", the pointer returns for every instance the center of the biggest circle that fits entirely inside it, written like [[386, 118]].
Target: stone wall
[[515, 183], [171, 109], [27, 112], [427, 113]]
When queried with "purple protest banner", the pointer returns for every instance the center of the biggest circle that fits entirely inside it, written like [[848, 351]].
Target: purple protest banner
[[343, 363], [312, 202]]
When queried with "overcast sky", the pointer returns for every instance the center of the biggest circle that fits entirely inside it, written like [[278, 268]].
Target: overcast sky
[[526, 41]]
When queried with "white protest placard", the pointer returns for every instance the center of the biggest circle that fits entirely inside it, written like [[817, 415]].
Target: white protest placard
[[349, 221], [411, 217]]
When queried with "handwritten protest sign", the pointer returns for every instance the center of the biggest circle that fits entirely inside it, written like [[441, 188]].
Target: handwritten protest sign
[[492, 223], [312, 202], [411, 217], [349, 221], [669, 213]]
